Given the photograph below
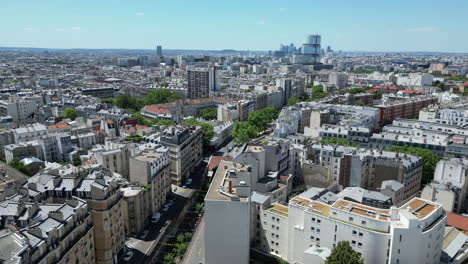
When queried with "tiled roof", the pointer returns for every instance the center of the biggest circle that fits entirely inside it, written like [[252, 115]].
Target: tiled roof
[[458, 221]]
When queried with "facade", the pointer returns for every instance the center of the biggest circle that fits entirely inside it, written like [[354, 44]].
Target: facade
[[450, 185], [408, 108], [136, 209], [201, 81], [338, 80], [185, 150], [310, 51], [150, 168], [378, 235], [47, 232], [354, 167], [227, 214]]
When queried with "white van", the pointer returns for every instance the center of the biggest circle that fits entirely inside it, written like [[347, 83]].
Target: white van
[[155, 217]]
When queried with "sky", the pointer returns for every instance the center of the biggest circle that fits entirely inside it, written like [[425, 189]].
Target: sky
[[348, 25]]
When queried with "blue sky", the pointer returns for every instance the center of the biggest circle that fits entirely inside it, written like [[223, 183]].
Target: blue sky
[[351, 25]]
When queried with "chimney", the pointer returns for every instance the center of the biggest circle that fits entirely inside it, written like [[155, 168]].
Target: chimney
[[230, 186]]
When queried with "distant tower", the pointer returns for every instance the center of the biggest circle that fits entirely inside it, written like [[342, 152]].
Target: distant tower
[[159, 50], [310, 51]]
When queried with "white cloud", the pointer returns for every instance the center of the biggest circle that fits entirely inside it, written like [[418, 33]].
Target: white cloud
[[282, 9], [422, 29], [140, 14], [28, 28], [60, 30], [76, 28], [261, 22]]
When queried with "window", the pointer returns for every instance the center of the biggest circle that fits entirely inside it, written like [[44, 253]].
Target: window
[[351, 219], [363, 222], [360, 234], [313, 219], [319, 221], [401, 237], [312, 228], [318, 230], [353, 243], [354, 232], [359, 244], [317, 239], [312, 237]]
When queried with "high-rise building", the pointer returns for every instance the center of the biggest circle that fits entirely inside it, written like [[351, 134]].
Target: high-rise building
[[159, 50], [201, 81], [310, 51]]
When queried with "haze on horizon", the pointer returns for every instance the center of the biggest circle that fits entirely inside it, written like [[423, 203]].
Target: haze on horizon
[[360, 25]]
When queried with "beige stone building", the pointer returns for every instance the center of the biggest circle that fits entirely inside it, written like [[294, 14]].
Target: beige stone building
[[150, 168], [185, 150]]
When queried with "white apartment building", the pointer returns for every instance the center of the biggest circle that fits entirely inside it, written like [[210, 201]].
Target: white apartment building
[[379, 235], [450, 185], [227, 215]]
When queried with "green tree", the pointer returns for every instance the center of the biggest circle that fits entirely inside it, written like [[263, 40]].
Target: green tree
[[293, 101], [198, 208], [317, 92], [134, 137], [209, 113], [339, 141], [161, 96], [126, 102], [169, 258], [360, 103], [76, 161], [244, 132], [17, 164], [69, 113], [378, 95], [207, 129], [261, 118], [343, 253], [429, 160], [140, 119]]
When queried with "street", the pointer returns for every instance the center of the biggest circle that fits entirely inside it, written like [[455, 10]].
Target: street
[[143, 247], [195, 254]]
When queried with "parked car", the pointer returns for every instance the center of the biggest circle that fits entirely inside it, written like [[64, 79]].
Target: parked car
[[155, 217], [189, 181], [170, 202], [128, 255], [166, 207]]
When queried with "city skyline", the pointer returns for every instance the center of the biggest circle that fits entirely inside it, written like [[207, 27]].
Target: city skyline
[[358, 26]]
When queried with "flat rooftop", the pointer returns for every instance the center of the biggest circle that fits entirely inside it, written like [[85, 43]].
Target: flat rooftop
[[279, 209], [221, 183]]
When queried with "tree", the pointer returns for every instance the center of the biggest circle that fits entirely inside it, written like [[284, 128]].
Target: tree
[[317, 92], [69, 113], [207, 129], [198, 208], [339, 141], [429, 160], [293, 101], [360, 103], [19, 165], [378, 95], [161, 96], [261, 118], [244, 132], [209, 113], [169, 258], [134, 137], [76, 161], [343, 253]]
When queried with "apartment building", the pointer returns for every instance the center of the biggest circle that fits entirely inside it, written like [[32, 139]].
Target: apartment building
[[103, 199], [151, 168], [295, 231], [7, 137], [227, 214], [406, 108], [113, 156], [201, 81], [30, 132], [136, 209], [450, 185], [46, 232], [22, 110], [185, 150], [354, 167]]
